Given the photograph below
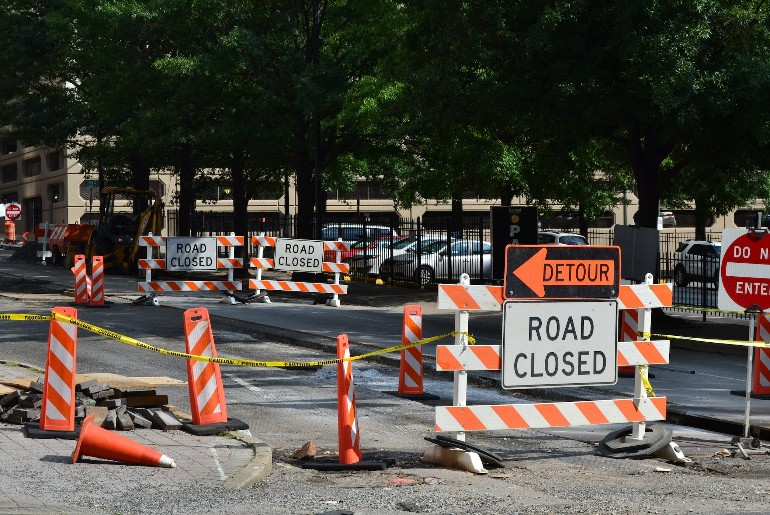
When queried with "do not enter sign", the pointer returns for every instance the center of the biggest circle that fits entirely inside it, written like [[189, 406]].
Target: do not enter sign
[[12, 211], [744, 270]]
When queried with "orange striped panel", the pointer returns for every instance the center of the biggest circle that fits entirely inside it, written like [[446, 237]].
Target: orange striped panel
[[446, 360], [510, 416], [592, 413], [552, 415], [466, 418], [460, 296]]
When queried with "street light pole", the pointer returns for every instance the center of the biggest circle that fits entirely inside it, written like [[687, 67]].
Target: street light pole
[[317, 131]]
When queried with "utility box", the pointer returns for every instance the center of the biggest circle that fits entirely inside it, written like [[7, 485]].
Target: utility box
[[510, 225]]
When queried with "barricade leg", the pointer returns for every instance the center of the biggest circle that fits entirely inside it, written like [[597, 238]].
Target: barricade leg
[[207, 394], [57, 415]]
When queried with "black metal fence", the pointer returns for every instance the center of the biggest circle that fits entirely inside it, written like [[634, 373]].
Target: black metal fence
[[430, 249]]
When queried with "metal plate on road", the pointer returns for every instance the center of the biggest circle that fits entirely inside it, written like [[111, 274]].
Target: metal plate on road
[[744, 270], [561, 272], [559, 343]]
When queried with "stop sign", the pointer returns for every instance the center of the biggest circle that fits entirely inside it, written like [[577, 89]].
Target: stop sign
[[12, 211], [744, 270]]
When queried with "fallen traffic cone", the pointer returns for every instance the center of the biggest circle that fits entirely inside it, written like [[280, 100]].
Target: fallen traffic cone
[[101, 443], [348, 437]]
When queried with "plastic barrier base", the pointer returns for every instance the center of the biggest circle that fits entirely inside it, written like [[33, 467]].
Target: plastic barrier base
[[487, 457], [32, 430], [232, 424], [742, 393], [617, 445], [416, 396], [332, 465]]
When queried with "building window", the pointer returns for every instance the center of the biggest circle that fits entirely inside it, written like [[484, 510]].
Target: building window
[[55, 192], [9, 173], [55, 161], [8, 147], [10, 196], [32, 167]]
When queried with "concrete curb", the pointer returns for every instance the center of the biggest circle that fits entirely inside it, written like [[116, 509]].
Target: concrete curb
[[260, 467]]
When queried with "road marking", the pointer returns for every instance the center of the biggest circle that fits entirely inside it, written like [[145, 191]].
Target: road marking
[[243, 383], [218, 463]]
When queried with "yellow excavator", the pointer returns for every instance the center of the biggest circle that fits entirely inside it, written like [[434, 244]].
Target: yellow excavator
[[124, 216]]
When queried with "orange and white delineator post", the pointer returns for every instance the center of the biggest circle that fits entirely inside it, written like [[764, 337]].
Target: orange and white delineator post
[[411, 371], [761, 375], [347, 422], [96, 293], [58, 410], [207, 394], [81, 280], [629, 327]]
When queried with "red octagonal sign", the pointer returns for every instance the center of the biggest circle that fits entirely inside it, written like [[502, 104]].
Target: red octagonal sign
[[12, 211], [744, 270]]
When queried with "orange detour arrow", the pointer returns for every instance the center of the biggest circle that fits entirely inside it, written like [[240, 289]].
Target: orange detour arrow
[[537, 272], [560, 272]]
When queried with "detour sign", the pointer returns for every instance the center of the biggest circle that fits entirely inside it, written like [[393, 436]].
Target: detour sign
[[561, 272]]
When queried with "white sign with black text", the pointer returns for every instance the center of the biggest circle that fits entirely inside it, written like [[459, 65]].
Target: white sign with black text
[[559, 343], [184, 254], [299, 255]]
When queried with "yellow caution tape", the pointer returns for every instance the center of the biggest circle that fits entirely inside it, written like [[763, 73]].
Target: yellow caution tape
[[744, 343], [237, 361], [646, 381], [20, 316], [708, 310]]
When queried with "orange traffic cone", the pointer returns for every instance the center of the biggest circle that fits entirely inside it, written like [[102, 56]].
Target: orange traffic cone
[[101, 443]]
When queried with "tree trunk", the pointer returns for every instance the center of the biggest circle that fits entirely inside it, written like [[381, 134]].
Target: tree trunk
[[582, 222], [305, 200], [140, 176], [506, 194], [645, 164], [186, 191], [240, 213], [702, 216]]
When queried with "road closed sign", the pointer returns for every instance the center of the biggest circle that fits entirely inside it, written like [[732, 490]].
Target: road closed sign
[[559, 343], [744, 270], [186, 254], [299, 255]]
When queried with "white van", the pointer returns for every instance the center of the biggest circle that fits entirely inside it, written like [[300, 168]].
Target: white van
[[350, 232]]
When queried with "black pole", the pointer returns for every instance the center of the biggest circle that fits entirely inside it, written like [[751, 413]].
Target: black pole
[[317, 130]]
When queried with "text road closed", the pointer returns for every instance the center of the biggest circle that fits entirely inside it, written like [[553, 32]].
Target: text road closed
[[559, 343], [184, 254], [299, 255]]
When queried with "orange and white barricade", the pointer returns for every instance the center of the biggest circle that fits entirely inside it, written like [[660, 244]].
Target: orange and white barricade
[[411, 371], [335, 289], [45, 252], [96, 294], [761, 374], [347, 422], [461, 357], [82, 280], [58, 409], [629, 327], [150, 263]]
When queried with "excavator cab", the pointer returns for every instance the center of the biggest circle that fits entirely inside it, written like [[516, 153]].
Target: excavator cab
[[124, 216]]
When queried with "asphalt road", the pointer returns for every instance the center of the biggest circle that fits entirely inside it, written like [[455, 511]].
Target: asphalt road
[[546, 471]]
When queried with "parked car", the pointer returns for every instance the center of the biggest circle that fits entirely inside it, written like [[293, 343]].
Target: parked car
[[472, 257], [690, 259], [361, 247], [350, 232], [560, 238], [668, 218], [370, 262]]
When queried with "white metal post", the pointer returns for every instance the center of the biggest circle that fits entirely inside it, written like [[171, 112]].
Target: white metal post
[[335, 300], [459, 397], [640, 374], [749, 373]]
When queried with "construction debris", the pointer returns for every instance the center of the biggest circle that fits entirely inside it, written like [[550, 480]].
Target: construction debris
[[113, 408]]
